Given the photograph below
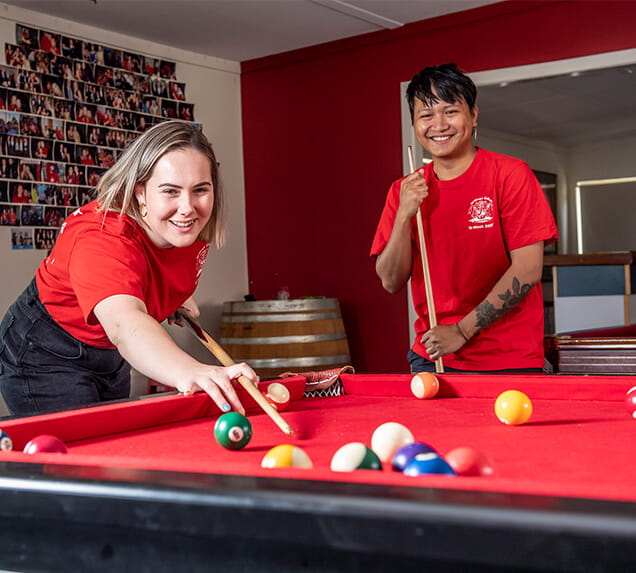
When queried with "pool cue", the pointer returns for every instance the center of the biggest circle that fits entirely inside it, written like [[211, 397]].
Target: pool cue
[[432, 315], [225, 359]]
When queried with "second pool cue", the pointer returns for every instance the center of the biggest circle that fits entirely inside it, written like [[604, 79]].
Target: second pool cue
[[225, 359], [432, 315]]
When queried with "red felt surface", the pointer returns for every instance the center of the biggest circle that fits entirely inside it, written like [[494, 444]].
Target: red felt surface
[[576, 444]]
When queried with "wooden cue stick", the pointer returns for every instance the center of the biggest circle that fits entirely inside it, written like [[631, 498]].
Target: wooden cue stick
[[432, 315], [225, 359]]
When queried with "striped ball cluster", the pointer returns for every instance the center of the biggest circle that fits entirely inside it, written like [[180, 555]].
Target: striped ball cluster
[[394, 443]]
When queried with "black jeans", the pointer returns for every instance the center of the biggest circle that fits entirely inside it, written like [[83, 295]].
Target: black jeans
[[421, 364], [43, 368]]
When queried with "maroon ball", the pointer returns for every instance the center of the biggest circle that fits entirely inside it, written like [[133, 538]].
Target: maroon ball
[[45, 443], [630, 402], [467, 461]]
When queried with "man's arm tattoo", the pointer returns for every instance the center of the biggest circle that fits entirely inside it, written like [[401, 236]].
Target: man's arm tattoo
[[486, 311]]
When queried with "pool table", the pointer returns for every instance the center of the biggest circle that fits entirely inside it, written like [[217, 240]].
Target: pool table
[[145, 487], [609, 350]]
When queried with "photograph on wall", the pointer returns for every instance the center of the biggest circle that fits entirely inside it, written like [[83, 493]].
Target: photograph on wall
[[22, 238], [46, 194], [9, 215], [185, 111], [8, 167], [54, 216], [167, 70], [27, 36], [41, 148], [66, 196], [32, 215], [7, 77], [51, 43], [44, 238], [29, 170]]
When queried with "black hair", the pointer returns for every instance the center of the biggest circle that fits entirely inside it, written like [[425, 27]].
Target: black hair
[[445, 82]]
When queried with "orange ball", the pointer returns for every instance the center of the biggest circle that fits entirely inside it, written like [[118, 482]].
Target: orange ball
[[513, 407], [424, 385]]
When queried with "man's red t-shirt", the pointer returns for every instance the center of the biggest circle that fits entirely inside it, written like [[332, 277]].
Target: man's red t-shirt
[[470, 225]]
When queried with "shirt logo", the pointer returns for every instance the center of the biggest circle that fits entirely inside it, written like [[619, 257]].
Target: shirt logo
[[203, 254], [481, 213]]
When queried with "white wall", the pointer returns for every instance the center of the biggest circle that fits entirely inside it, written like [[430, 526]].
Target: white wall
[[540, 156], [213, 86], [606, 160]]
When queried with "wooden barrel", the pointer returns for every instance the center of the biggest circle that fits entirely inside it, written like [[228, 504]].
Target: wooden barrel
[[276, 336]]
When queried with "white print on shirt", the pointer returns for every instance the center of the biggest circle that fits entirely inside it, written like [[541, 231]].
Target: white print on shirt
[[481, 212], [203, 253], [75, 214]]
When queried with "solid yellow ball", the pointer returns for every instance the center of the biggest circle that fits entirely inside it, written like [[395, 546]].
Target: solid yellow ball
[[513, 407]]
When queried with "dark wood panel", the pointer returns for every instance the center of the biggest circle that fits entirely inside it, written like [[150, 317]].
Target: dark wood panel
[[610, 258]]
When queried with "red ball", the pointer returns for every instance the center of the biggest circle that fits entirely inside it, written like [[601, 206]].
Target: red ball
[[45, 443], [277, 395], [630, 402], [467, 461]]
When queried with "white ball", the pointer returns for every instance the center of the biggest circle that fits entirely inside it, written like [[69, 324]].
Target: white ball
[[388, 438]]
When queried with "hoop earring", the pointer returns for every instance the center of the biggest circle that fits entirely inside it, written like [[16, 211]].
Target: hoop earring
[[475, 133], [143, 210]]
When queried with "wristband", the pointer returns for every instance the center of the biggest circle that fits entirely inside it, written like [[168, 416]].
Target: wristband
[[461, 331]]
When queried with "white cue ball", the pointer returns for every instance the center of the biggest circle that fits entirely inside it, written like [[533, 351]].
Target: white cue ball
[[388, 438]]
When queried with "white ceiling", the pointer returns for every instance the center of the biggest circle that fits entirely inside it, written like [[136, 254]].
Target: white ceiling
[[566, 110], [245, 29]]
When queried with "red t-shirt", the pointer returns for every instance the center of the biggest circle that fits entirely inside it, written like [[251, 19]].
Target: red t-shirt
[[97, 255], [470, 224]]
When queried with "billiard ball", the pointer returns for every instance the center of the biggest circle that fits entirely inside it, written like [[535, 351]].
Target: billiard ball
[[630, 402], [6, 443], [45, 443], [467, 461], [513, 407], [424, 385], [355, 456], [405, 454], [277, 395], [233, 431], [388, 438], [286, 456], [428, 464]]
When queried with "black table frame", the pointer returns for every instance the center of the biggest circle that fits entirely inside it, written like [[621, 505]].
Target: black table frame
[[57, 517]]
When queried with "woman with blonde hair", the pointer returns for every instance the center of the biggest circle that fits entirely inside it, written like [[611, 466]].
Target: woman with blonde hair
[[120, 266]]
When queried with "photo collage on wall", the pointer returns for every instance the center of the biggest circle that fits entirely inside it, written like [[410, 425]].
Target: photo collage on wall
[[68, 108]]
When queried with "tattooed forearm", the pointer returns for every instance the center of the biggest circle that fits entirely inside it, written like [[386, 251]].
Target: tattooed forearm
[[487, 313]]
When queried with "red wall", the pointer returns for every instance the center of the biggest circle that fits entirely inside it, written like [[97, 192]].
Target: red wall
[[322, 143]]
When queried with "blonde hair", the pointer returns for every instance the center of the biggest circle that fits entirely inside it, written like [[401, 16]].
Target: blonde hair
[[116, 188]]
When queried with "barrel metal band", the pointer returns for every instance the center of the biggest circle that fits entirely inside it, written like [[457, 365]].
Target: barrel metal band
[[304, 339], [280, 317], [335, 360], [293, 305]]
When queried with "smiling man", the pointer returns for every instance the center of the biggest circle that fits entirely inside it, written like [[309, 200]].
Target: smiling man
[[485, 221]]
